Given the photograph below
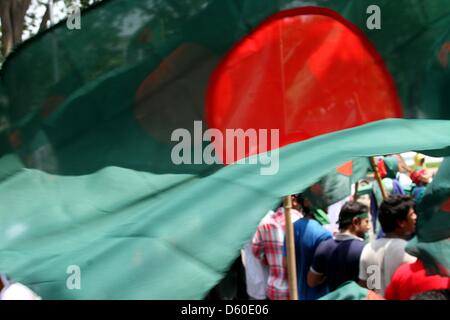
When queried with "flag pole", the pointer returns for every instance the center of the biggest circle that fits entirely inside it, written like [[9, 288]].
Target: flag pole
[[355, 196], [378, 177], [292, 272], [50, 13]]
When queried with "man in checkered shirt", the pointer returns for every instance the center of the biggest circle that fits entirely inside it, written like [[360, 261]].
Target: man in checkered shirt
[[267, 245]]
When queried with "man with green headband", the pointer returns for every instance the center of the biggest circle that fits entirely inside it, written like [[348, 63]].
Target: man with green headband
[[336, 261]]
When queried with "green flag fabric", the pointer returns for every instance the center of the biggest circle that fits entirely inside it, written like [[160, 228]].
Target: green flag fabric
[[336, 185], [87, 181], [162, 236], [351, 291], [432, 244]]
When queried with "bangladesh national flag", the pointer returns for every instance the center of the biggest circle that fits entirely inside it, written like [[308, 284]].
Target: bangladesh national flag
[[432, 243], [107, 188], [337, 185]]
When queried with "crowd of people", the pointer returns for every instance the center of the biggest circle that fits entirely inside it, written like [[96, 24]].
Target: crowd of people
[[353, 256]]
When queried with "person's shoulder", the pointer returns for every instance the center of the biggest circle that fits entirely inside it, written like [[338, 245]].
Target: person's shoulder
[[397, 244], [296, 214], [317, 226], [18, 291], [322, 231], [351, 247], [402, 275], [357, 244], [316, 230], [406, 269], [267, 218], [327, 244], [376, 244], [371, 248], [301, 223], [323, 250], [398, 241]]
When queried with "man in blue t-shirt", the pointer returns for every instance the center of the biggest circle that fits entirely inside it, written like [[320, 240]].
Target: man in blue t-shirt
[[308, 234], [336, 261]]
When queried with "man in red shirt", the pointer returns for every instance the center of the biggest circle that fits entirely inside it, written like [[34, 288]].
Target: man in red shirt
[[410, 279]]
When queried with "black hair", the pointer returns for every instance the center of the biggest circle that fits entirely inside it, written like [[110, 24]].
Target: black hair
[[349, 211], [393, 209], [302, 201], [281, 203], [432, 295]]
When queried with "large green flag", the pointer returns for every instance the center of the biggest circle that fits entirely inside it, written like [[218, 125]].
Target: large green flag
[[88, 182]]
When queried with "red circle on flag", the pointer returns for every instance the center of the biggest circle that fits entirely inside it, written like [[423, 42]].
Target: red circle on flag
[[306, 72]]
